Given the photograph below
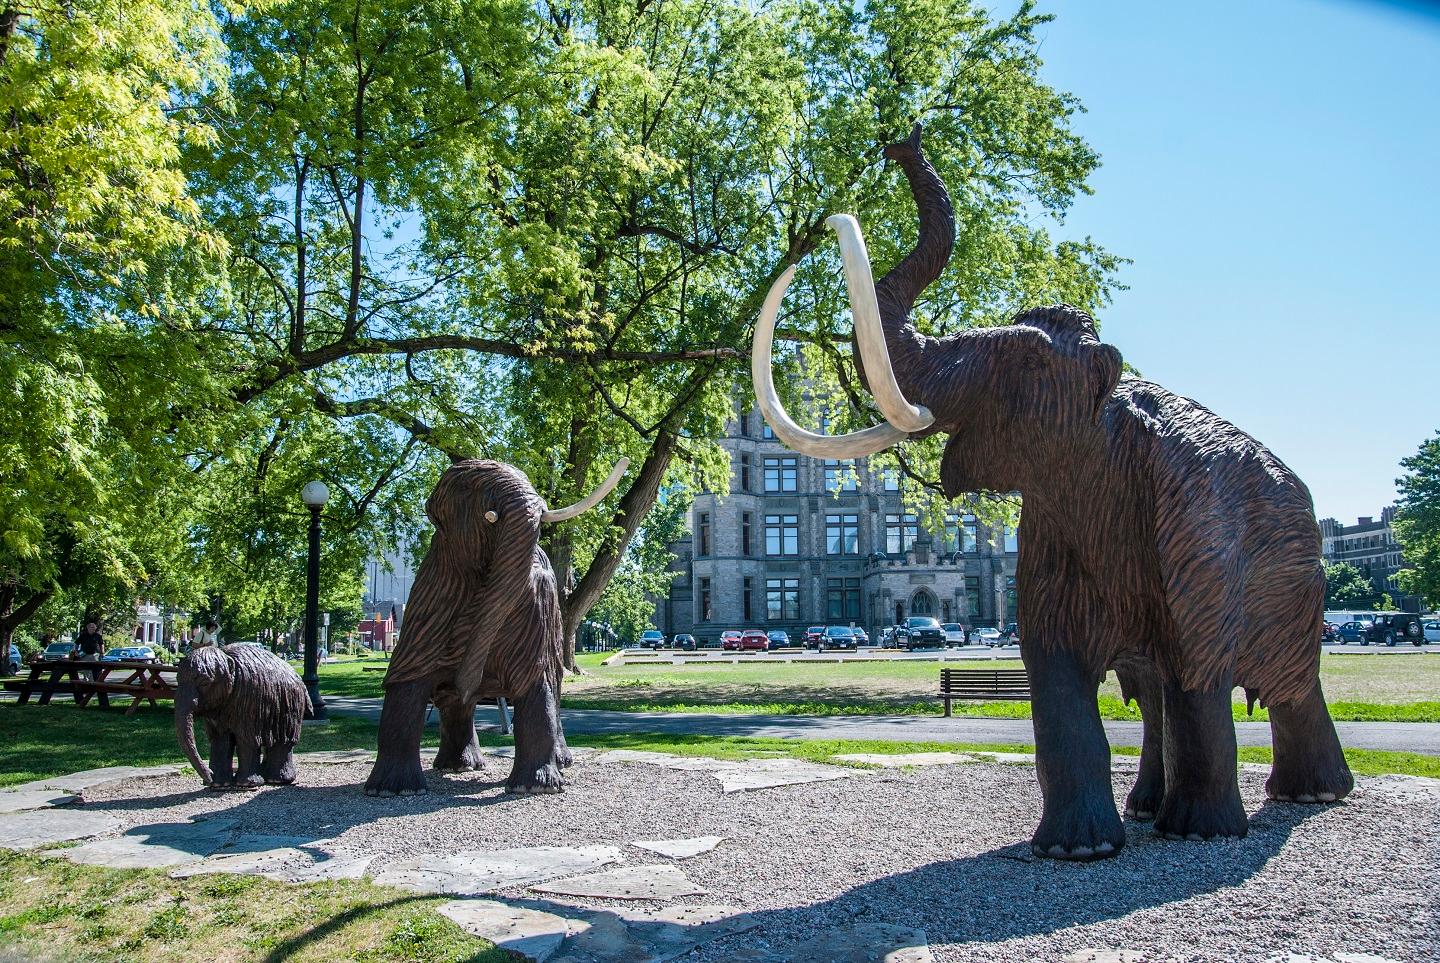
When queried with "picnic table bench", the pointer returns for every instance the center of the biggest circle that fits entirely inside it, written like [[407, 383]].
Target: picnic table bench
[[983, 685], [144, 681]]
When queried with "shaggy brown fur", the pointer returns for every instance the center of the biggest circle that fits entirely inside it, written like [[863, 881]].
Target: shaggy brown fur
[[483, 622], [1155, 536], [252, 703]]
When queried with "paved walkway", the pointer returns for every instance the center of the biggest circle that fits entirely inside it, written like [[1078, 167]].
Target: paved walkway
[[1421, 737]]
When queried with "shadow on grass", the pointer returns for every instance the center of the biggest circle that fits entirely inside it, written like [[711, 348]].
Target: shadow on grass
[[295, 945]]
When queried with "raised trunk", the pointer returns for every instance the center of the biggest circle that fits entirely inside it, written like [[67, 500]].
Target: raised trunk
[[897, 290], [185, 732]]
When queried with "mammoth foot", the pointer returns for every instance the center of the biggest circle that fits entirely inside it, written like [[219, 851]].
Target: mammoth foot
[[1311, 786], [391, 779], [246, 784], [535, 780], [1144, 800], [1200, 819], [467, 759], [1080, 833]]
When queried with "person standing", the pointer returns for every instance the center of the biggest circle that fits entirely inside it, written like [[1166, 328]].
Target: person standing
[[89, 644], [210, 635]]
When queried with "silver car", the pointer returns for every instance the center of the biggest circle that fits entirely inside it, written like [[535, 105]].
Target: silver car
[[1432, 630], [954, 633]]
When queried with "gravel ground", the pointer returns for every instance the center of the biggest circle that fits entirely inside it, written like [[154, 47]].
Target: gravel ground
[[942, 849]]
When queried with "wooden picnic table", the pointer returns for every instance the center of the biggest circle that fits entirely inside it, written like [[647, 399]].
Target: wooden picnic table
[[145, 681]]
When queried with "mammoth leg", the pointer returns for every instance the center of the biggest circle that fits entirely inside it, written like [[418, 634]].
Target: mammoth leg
[[538, 742], [247, 769], [564, 758], [1072, 758], [1309, 766], [278, 767], [397, 770], [1202, 788], [1140, 681], [459, 747], [222, 756]]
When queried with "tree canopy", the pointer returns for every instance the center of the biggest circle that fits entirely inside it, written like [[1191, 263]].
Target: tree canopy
[[1417, 521]]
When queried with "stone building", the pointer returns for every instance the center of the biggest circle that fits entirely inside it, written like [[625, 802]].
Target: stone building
[[802, 541], [1370, 546]]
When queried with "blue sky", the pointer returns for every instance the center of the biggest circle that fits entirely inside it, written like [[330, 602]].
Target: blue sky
[[1273, 169]]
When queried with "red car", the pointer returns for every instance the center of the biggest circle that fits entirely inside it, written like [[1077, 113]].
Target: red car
[[730, 639], [813, 635], [754, 639]]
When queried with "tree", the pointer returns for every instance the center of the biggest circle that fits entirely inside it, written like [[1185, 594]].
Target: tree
[[542, 231], [1347, 587], [1417, 521]]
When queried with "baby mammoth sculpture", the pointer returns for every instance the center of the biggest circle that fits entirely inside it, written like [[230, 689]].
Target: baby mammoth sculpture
[[483, 622], [251, 703], [1157, 539]]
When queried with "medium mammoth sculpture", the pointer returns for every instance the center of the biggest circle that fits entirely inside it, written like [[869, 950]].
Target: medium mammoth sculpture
[[252, 704], [483, 622], [1157, 539]]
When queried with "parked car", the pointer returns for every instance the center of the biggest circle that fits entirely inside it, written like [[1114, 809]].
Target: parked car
[[1329, 633], [652, 639], [779, 639], [861, 636], [837, 637], [920, 632], [890, 637], [12, 664], [954, 633], [754, 640], [130, 653], [730, 639], [812, 636], [58, 650], [1391, 628], [685, 642], [986, 636], [1432, 631], [1011, 633], [1356, 631]]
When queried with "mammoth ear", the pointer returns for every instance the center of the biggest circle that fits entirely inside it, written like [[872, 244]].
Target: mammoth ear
[[1105, 366]]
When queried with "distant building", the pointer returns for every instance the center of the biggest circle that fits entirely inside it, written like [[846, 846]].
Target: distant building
[[389, 579], [803, 541], [380, 631], [1370, 546]]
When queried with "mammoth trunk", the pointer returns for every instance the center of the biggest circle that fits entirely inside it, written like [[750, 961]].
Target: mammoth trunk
[[185, 732], [897, 290]]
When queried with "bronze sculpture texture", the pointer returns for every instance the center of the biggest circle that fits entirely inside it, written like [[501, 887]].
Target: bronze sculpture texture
[[1156, 539], [483, 622], [251, 703]]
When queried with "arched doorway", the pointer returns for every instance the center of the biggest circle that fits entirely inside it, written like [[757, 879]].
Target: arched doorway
[[923, 603], [899, 612]]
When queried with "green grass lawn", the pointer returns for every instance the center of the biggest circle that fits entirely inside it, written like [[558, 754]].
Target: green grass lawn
[[1402, 688]]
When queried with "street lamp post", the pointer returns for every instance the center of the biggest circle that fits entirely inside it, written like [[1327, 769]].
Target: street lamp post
[[314, 494]]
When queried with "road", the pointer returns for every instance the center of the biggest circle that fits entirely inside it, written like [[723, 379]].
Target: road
[[1422, 737]]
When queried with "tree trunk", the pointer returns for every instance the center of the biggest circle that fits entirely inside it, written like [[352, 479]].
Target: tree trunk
[[13, 618]]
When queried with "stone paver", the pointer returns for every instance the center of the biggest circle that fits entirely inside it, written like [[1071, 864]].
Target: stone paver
[[334, 757], [1105, 956], [1017, 758], [900, 759], [660, 881], [20, 800], [679, 848], [286, 859], [769, 773], [534, 934], [81, 781], [626, 935], [156, 846], [476, 872], [41, 827]]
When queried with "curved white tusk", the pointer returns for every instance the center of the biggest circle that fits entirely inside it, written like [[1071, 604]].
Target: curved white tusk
[[870, 333], [856, 444], [590, 500]]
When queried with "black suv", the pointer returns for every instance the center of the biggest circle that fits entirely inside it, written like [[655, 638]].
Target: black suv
[[1394, 627], [920, 632]]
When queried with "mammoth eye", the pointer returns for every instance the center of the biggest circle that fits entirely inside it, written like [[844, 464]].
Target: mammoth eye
[[490, 516], [1034, 360]]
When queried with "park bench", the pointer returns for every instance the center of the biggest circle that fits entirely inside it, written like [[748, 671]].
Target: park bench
[[983, 685]]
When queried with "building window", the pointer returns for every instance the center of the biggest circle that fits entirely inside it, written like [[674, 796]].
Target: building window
[[745, 535], [972, 595], [767, 432], [780, 474], [1012, 539], [1011, 603], [744, 472], [970, 540], [842, 534], [782, 598], [744, 422], [900, 533], [840, 476], [782, 534], [745, 599], [706, 611], [704, 529], [890, 479], [842, 599]]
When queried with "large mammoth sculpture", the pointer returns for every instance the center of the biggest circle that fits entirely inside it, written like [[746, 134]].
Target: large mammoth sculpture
[[1156, 538], [252, 704], [483, 622]]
